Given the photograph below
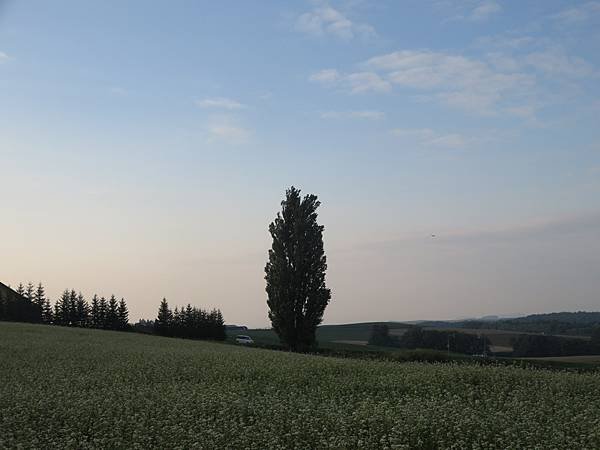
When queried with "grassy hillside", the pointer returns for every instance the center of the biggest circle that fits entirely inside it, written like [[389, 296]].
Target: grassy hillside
[[77, 388]]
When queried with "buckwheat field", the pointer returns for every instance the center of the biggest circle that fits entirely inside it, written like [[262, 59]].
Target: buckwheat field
[[75, 388]]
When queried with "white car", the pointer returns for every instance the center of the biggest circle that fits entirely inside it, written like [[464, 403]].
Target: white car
[[243, 339]]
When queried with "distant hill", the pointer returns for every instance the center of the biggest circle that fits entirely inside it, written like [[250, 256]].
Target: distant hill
[[579, 323], [579, 317]]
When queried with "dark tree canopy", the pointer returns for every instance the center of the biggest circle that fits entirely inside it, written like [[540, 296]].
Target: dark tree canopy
[[295, 272], [380, 335], [187, 322]]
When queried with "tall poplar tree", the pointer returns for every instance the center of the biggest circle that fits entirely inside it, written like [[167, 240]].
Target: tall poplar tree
[[295, 272]]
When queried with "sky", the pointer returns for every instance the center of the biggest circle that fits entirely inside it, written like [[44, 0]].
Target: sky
[[454, 145]]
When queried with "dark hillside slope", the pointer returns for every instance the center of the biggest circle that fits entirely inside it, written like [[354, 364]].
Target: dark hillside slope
[[14, 307]]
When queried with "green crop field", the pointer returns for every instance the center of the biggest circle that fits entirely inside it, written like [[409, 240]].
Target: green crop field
[[77, 388]]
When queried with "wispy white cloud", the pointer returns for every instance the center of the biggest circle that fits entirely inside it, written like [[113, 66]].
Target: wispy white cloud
[[364, 114], [355, 82], [325, 76], [556, 61], [469, 10], [326, 20], [427, 137], [3, 57], [220, 103], [226, 129], [515, 79], [453, 140], [414, 133], [578, 13], [484, 10], [455, 80]]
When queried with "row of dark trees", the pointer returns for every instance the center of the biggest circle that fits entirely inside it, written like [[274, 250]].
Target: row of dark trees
[[189, 322], [417, 337], [536, 345], [30, 304]]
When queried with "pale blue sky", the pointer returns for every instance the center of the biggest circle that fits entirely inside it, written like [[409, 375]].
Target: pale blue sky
[[145, 147]]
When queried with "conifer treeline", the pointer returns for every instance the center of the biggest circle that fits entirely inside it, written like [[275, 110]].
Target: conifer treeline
[[30, 304], [71, 309], [189, 322]]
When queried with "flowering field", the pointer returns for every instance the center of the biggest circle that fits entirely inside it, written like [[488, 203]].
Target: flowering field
[[77, 388]]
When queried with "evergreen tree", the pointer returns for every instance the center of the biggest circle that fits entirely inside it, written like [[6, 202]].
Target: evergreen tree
[[220, 332], [82, 311], [36, 298], [188, 322], [61, 309], [162, 324], [72, 314], [56, 315], [47, 312], [30, 292], [20, 290], [95, 321], [122, 315], [295, 272], [111, 314], [102, 313], [40, 296]]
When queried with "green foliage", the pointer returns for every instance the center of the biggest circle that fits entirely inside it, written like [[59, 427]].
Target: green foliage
[[295, 272], [380, 335], [417, 337], [79, 388]]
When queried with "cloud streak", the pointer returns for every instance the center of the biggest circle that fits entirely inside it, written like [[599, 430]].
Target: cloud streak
[[355, 82], [364, 114], [225, 129], [220, 103], [579, 13], [325, 20], [426, 137], [484, 10]]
